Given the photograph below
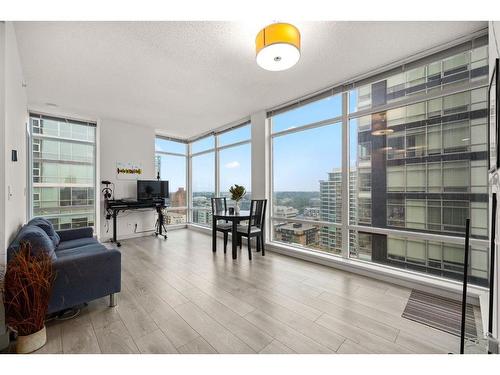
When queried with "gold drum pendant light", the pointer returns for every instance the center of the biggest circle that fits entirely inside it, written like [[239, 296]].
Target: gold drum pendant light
[[277, 46]]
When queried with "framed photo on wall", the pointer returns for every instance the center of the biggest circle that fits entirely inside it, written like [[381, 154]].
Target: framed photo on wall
[[493, 128]]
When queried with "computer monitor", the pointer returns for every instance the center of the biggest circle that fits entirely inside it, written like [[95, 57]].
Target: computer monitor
[[164, 189], [148, 189]]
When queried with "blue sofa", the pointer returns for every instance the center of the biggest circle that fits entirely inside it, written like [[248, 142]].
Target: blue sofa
[[85, 269]]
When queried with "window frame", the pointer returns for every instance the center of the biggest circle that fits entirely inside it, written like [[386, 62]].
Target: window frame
[[186, 182], [471, 84], [216, 150], [345, 159]]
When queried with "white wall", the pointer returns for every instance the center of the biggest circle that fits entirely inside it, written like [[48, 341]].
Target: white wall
[[494, 52], [14, 118], [2, 147], [260, 159], [122, 142], [259, 154]]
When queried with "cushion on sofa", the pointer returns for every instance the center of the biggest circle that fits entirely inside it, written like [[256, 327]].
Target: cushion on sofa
[[47, 227], [85, 249], [79, 242], [75, 233], [38, 239]]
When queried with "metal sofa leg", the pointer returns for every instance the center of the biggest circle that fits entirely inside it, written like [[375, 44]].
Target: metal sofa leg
[[113, 300]]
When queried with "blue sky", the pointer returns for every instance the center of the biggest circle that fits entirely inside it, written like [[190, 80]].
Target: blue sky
[[304, 158], [301, 159]]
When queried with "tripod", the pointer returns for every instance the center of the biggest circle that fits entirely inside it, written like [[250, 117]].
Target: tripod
[[160, 223]]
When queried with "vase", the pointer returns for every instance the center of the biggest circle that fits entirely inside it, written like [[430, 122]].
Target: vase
[[237, 208], [30, 343]]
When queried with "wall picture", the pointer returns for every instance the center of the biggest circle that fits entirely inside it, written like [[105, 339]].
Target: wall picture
[[128, 171]]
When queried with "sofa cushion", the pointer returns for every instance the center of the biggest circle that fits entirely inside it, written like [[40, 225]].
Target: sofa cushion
[[38, 239], [47, 227], [75, 233], [64, 245], [86, 249]]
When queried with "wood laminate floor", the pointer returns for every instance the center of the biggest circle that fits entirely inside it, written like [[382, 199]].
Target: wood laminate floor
[[179, 297]]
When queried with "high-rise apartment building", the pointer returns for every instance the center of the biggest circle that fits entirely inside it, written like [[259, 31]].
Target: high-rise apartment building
[[63, 171], [423, 167], [178, 197], [331, 208]]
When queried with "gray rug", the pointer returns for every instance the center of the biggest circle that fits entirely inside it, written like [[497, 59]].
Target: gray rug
[[440, 313]]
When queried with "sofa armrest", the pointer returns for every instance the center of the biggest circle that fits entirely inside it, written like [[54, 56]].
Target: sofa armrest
[[83, 261], [83, 277], [74, 234]]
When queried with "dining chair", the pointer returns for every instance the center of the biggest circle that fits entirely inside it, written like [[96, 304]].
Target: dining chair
[[255, 227], [220, 205]]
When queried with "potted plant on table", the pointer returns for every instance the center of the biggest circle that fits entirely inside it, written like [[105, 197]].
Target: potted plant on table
[[237, 193], [27, 288]]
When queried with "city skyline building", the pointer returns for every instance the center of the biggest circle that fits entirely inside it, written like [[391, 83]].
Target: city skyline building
[[298, 233]]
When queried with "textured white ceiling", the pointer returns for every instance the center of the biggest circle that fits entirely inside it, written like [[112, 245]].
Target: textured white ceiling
[[189, 77]]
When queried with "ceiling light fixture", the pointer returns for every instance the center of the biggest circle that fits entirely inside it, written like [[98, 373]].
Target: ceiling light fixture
[[277, 46]]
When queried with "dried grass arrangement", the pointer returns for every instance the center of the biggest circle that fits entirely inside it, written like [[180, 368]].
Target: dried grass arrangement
[[28, 282]]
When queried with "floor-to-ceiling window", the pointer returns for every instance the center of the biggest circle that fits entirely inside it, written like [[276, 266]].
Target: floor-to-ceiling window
[[171, 164], [217, 162], [202, 179], [415, 140], [62, 171], [307, 175], [234, 150]]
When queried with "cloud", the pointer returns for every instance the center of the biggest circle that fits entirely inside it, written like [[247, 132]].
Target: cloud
[[232, 164]]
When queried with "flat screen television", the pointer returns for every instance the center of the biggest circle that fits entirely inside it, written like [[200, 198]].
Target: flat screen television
[[148, 190]]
